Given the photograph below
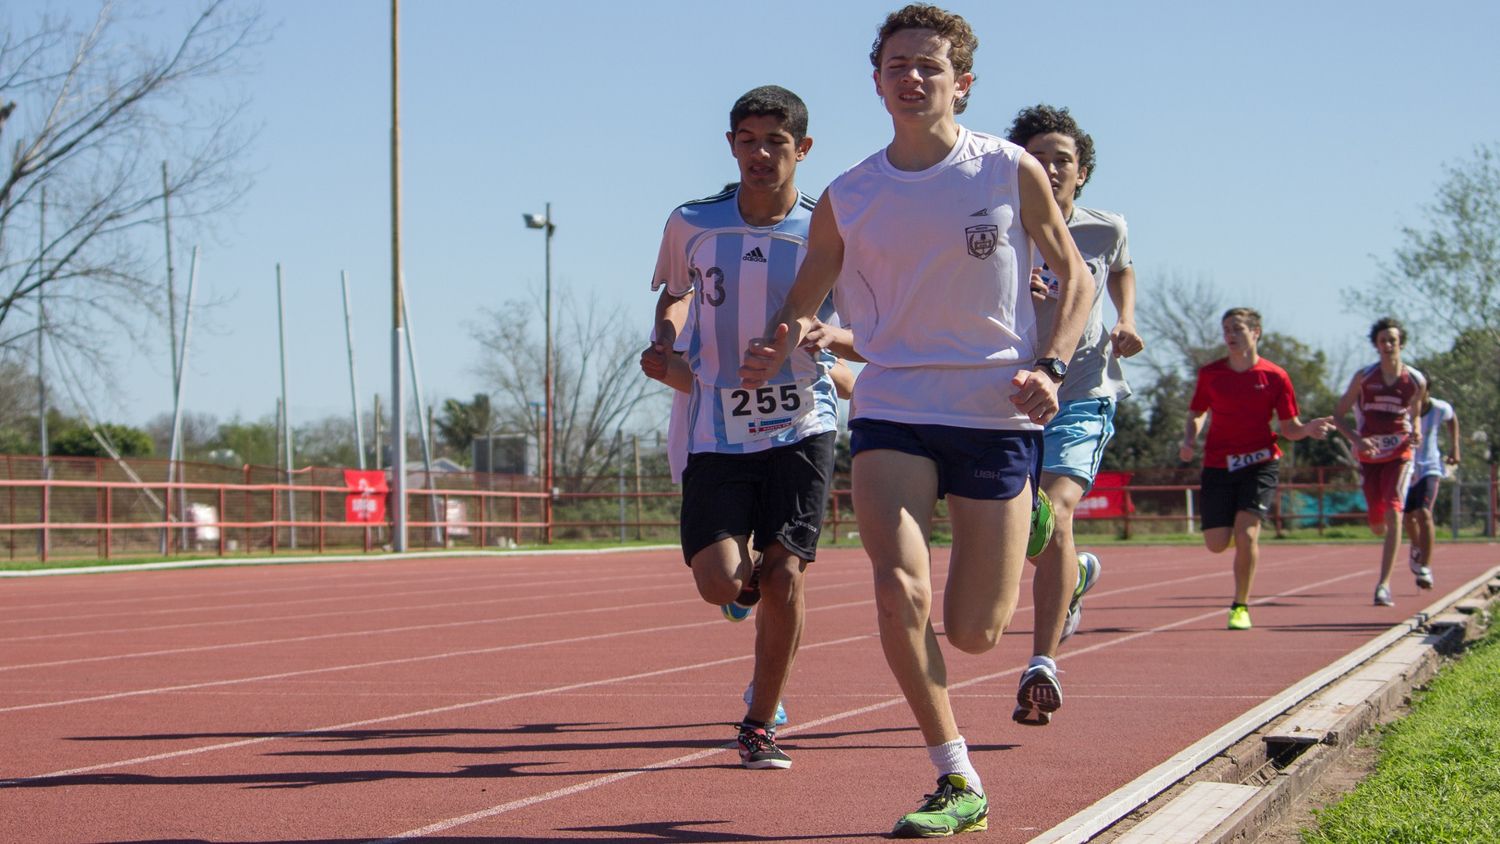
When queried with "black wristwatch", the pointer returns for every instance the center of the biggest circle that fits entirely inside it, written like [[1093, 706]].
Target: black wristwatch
[[1053, 367]]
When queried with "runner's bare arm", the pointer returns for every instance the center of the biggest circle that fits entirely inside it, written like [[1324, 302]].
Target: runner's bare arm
[[1190, 430], [820, 269], [1036, 392], [835, 339], [1341, 410], [1295, 429], [1414, 416], [1121, 285], [843, 379], [671, 316]]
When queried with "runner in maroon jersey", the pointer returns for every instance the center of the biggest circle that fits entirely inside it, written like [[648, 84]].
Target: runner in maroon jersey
[[1241, 392], [1386, 397]]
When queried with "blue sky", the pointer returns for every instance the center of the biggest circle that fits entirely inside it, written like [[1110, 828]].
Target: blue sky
[[1273, 148]]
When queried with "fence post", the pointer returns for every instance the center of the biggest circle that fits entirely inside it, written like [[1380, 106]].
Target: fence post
[[275, 514], [1456, 506], [322, 516], [1322, 522], [1187, 495], [46, 505], [109, 519], [222, 516], [1489, 525]]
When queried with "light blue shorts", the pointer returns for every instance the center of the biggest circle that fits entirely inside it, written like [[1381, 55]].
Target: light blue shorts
[[1073, 442]]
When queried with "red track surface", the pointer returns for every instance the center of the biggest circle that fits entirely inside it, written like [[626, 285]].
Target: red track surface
[[587, 697]]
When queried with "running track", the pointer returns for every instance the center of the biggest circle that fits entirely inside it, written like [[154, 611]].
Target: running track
[[539, 698]]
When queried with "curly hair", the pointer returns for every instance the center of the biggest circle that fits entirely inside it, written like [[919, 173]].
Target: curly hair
[[1042, 119], [1388, 322], [962, 42]]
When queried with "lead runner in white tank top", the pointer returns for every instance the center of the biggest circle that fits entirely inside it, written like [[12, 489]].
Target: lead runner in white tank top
[[932, 284]]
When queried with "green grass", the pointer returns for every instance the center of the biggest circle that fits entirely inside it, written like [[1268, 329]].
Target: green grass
[[1438, 778]]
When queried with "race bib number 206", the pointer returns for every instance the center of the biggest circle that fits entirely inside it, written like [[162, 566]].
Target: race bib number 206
[[763, 412], [1237, 462]]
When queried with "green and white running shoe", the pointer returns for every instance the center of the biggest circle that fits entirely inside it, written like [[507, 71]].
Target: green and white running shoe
[[952, 809], [1042, 524], [1088, 575]]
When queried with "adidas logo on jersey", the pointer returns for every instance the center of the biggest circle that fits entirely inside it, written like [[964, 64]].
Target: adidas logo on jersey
[[755, 255]]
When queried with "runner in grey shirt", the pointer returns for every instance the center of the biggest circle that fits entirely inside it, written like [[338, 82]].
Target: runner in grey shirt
[[1073, 442]]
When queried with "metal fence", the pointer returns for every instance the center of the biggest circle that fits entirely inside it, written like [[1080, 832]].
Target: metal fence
[[82, 507]]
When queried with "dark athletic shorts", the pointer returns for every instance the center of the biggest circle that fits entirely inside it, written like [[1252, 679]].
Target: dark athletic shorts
[[1422, 493], [974, 463], [1225, 493], [776, 495]]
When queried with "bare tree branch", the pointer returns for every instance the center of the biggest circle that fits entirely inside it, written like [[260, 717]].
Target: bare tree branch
[[89, 115], [597, 385]]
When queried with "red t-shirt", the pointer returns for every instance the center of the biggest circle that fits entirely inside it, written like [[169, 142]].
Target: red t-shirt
[[1239, 431]]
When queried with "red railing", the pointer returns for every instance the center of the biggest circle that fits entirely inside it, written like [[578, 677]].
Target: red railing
[[89, 508]]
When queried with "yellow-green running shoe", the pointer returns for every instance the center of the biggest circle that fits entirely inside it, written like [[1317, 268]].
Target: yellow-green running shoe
[[1041, 525], [1239, 617], [952, 809]]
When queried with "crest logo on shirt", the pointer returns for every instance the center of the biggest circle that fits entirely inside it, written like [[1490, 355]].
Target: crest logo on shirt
[[983, 240]]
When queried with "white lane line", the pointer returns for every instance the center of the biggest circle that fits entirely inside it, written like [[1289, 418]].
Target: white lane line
[[588, 785], [334, 613], [222, 562], [398, 661], [467, 582], [422, 713], [447, 625], [1112, 807]]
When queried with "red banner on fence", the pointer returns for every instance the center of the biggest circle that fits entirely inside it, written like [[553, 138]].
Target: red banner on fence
[[366, 499], [1108, 499]]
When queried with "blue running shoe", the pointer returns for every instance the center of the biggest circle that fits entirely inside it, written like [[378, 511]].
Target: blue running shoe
[[739, 609], [780, 719]]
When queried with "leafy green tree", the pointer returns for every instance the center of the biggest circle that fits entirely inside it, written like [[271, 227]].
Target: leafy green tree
[[1468, 376], [1444, 279], [253, 442], [75, 440], [460, 423]]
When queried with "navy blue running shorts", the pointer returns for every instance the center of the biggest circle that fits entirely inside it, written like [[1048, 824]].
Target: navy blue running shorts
[[978, 463]]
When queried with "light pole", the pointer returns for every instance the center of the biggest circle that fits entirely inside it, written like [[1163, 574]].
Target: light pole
[[544, 221]]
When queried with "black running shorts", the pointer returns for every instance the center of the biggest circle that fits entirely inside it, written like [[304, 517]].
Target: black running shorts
[[1226, 493], [776, 495]]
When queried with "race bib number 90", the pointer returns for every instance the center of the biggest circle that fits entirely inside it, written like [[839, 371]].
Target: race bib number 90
[[764, 412], [1236, 462], [1388, 444]]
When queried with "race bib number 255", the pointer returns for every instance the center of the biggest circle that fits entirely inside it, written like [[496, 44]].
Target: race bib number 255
[[763, 412]]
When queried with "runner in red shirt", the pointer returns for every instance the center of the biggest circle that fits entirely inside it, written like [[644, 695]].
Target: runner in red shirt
[[1239, 394], [1386, 397]]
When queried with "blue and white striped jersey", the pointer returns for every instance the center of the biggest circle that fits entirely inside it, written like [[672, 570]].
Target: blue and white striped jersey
[[740, 275]]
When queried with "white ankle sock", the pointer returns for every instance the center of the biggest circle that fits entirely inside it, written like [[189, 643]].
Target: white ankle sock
[[953, 758], [1043, 660]]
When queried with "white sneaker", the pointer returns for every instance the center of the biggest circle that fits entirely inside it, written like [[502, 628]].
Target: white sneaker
[[1089, 570], [1422, 573]]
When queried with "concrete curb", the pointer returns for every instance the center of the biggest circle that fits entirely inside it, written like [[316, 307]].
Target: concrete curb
[[1401, 658]]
